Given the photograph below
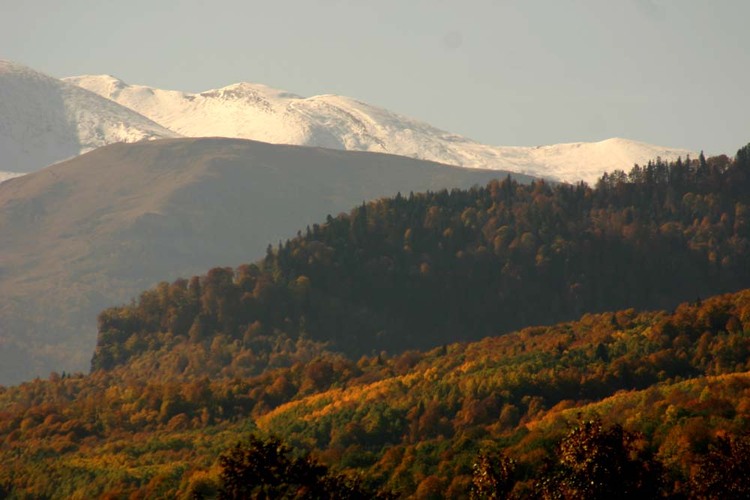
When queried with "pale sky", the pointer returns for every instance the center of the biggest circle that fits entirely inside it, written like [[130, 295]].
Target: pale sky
[[515, 73]]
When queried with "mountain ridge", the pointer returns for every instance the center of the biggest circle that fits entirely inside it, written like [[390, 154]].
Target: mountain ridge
[[259, 112], [44, 120]]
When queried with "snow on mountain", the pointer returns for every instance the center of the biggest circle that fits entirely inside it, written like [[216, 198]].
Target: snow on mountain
[[44, 120], [254, 111], [5, 176]]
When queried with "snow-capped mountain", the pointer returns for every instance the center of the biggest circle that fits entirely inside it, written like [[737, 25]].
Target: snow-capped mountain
[[254, 111], [44, 120]]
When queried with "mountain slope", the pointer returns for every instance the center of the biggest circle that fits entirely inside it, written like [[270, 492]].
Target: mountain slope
[[95, 230], [254, 111], [44, 120], [4, 176]]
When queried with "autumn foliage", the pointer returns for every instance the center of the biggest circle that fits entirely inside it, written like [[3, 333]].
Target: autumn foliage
[[377, 350]]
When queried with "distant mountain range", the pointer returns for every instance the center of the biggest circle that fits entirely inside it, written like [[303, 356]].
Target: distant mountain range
[[44, 120], [94, 231], [259, 112]]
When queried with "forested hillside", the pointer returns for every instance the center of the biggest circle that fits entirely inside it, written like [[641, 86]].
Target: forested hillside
[[418, 423], [421, 270]]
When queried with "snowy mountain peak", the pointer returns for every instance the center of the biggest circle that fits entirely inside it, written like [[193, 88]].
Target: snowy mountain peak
[[101, 84], [256, 111], [44, 120], [252, 89]]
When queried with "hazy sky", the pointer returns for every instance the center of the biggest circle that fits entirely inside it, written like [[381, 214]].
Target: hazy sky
[[669, 72]]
